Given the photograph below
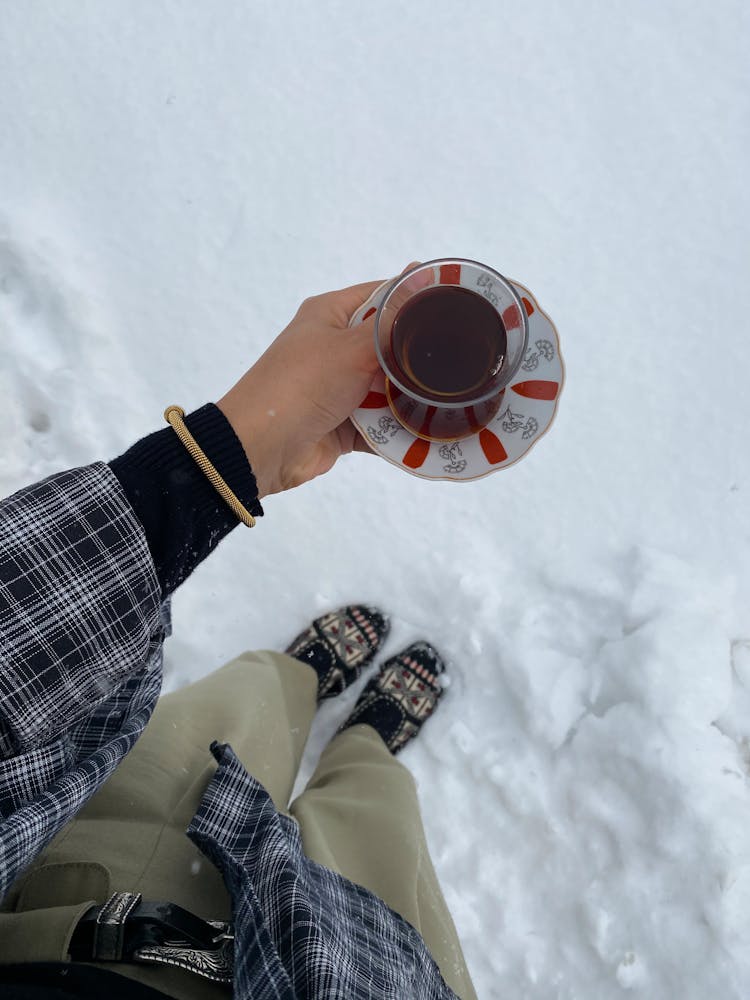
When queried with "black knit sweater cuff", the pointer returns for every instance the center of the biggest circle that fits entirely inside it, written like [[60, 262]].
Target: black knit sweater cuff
[[183, 516]]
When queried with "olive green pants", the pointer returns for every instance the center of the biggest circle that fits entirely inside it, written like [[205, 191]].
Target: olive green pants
[[359, 816]]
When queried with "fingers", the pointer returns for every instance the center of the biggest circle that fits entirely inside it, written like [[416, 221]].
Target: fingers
[[362, 446]]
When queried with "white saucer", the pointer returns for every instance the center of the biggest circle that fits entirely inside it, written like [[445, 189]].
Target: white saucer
[[526, 413]]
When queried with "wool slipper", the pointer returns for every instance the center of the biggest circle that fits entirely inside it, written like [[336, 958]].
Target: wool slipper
[[339, 645], [402, 696]]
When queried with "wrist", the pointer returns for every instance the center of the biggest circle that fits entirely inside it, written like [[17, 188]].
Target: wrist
[[255, 437]]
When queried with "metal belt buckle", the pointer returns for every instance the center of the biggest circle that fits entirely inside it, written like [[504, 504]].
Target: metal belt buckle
[[214, 964], [129, 929]]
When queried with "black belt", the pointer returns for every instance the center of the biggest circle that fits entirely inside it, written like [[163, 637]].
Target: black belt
[[128, 928]]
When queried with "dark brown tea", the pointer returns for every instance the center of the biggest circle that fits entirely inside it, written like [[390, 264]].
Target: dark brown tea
[[448, 343]]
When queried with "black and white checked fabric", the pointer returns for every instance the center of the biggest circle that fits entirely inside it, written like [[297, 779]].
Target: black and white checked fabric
[[81, 633]]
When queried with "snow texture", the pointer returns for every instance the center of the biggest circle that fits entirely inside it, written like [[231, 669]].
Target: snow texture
[[176, 177]]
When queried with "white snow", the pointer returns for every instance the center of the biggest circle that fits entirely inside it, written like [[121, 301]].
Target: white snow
[[175, 178]]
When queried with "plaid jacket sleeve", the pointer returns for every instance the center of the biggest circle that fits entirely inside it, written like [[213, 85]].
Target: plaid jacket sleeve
[[80, 605], [82, 627]]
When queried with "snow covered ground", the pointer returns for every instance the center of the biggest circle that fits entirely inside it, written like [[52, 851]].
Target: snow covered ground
[[176, 177]]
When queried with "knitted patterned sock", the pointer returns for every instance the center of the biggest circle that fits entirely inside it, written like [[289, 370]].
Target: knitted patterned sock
[[402, 696], [339, 646]]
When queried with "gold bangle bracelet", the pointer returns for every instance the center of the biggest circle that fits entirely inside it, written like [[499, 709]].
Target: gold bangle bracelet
[[175, 417]]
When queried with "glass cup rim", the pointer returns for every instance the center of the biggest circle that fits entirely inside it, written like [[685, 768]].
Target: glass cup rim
[[490, 394]]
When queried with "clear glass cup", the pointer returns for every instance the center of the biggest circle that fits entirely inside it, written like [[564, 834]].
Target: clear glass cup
[[439, 415]]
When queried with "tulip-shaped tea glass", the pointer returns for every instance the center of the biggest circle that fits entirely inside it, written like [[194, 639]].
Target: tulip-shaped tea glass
[[450, 335]]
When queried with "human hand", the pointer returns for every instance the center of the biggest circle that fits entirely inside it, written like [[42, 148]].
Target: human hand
[[291, 409]]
